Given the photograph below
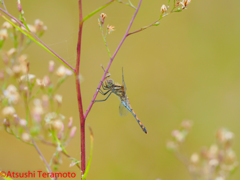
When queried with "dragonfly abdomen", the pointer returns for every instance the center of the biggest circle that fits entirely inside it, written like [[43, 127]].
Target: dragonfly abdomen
[[139, 122], [135, 116]]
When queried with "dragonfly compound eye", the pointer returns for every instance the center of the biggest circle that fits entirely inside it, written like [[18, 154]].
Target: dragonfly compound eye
[[109, 82]]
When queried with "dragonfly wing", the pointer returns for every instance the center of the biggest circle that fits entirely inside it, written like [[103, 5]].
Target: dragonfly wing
[[123, 111], [123, 81]]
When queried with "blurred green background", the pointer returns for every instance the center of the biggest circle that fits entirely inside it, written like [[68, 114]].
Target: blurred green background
[[186, 68]]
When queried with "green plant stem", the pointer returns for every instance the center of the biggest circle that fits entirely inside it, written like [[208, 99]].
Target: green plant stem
[[37, 40], [128, 4], [38, 91], [146, 27], [143, 28], [97, 10], [12, 133], [105, 41], [54, 145]]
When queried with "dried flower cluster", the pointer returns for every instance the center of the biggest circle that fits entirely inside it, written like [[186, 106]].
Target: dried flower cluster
[[183, 5], [30, 106], [101, 21], [217, 162]]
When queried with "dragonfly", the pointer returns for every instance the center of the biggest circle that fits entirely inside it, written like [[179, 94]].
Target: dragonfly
[[119, 90]]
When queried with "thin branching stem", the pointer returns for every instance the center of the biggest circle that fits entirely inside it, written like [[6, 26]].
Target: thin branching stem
[[128, 4], [97, 10], [4, 5], [104, 39], [12, 133], [55, 145], [39, 40], [111, 60], [41, 155], [154, 23], [143, 28]]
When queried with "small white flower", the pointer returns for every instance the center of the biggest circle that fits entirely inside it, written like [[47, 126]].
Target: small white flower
[[185, 3], [163, 9], [27, 77]]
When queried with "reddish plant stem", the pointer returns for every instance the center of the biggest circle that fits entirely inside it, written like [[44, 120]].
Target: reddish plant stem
[[4, 5], [111, 60], [68, 65], [79, 96], [143, 28]]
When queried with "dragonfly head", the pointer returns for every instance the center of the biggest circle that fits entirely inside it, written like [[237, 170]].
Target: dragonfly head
[[109, 83]]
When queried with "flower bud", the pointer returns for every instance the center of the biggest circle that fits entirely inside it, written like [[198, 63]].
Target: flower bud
[[46, 80], [213, 151], [194, 158], [70, 122], [5, 58], [30, 27], [59, 149], [40, 83], [6, 123], [45, 101], [213, 162], [204, 153], [172, 146], [3, 34], [156, 24], [59, 136], [185, 3], [39, 25], [22, 58], [57, 125], [230, 156], [11, 52], [22, 122], [16, 118], [2, 75], [163, 9], [8, 111], [186, 124], [178, 135], [58, 98], [220, 178], [16, 70], [61, 71], [102, 18], [6, 25], [28, 77], [51, 66], [19, 6], [26, 137], [25, 93], [73, 131]]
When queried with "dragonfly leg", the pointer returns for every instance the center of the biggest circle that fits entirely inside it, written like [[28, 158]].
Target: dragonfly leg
[[104, 99], [104, 93], [100, 90]]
